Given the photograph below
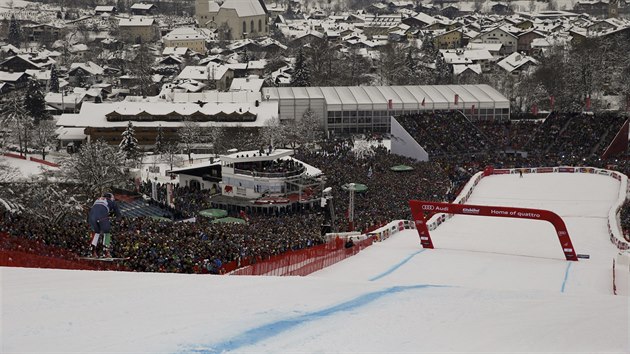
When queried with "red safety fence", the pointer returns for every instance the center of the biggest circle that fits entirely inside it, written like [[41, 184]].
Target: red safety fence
[[15, 156], [306, 261], [47, 163], [20, 252]]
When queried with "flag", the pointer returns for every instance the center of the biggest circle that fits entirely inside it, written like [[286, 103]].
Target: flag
[[422, 102], [456, 99], [552, 101], [535, 109], [588, 103], [390, 104]]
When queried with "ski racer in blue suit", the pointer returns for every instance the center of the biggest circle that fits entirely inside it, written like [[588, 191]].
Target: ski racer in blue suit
[[99, 222]]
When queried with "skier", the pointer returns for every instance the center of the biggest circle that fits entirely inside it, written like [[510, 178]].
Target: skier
[[100, 224]]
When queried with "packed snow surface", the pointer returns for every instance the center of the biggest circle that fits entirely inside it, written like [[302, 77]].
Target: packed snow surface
[[491, 285]]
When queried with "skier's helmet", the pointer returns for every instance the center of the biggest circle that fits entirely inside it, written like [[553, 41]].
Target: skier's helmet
[[108, 196]]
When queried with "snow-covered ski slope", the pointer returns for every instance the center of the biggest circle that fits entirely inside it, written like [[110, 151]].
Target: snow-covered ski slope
[[491, 285]]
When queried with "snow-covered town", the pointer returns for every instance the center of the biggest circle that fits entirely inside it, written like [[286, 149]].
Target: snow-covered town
[[389, 176]]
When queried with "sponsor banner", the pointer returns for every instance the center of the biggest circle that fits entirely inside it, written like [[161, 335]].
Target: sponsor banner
[[566, 169], [544, 169], [401, 226], [502, 172], [616, 176], [603, 172], [474, 211]]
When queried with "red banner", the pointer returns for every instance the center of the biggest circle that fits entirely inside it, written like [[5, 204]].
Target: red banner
[[566, 169], [418, 208], [544, 170]]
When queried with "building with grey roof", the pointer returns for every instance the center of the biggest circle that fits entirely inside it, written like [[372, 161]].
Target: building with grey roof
[[358, 109]]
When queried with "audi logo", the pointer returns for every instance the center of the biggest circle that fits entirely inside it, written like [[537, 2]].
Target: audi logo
[[428, 207]]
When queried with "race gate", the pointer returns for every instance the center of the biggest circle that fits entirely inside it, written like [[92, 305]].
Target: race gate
[[419, 208]]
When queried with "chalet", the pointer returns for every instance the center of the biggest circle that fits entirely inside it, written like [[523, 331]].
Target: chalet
[[501, 9], [14, 80], [138, 29], [419, 21], [44, 32], [105, 10], [19, 63]]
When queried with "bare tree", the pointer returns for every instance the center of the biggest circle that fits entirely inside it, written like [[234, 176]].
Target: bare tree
[[44, 136], [189, 134], [15, 116], [96, 167]]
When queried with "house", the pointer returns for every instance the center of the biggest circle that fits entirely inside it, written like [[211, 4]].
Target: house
[[419, 21], [79, 51], [64, 102], [14, 80], [213, 75], [141, 9], [20, 63], [448, 39], [82, 74], [481, 57], [250, 83], [525, 40], [138, 29], [501, 35], [105, 10], [236, 18], [517, 64], [192, 38], [45, 33]]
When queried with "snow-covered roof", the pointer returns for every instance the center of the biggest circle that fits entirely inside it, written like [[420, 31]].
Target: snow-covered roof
[[136, 21], [515, 61], [95, 114], [141, 6], [103, 8], [10, 77], [402, 97], [252, 83], [490, 47], [453, 56], [458, 69], [245, 8], [169, 51], [89, 67], [212, 71], [183, 33]]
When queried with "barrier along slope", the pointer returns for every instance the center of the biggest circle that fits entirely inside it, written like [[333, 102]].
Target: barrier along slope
[[615, 232]]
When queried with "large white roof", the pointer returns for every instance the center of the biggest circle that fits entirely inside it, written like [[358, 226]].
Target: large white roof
[[94, 114], [402, 97]]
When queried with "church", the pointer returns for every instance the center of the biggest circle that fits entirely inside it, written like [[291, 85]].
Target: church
[[233, 19]]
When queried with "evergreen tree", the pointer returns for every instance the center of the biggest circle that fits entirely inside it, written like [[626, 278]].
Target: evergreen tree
[[301, 74], [159, 140], [129, 144], [54, 79], [34, 101], [15, 35], [443, 73]]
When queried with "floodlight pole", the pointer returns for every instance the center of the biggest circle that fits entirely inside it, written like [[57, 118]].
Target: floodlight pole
[[351, 207]]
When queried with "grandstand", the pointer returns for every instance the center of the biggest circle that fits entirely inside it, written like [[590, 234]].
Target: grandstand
[[137, 208]]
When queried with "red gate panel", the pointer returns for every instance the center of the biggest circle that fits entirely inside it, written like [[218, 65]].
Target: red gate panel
[[419, 207]]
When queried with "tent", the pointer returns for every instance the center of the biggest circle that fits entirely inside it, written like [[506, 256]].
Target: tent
[[358, 187], [214, 213]]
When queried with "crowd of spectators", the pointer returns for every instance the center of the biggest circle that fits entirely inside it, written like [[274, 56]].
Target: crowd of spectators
[[461, 149], [444, 133]]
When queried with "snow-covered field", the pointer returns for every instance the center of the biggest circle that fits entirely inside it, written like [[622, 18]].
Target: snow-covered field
[[25, 169], [491, 285], [5, 5]]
